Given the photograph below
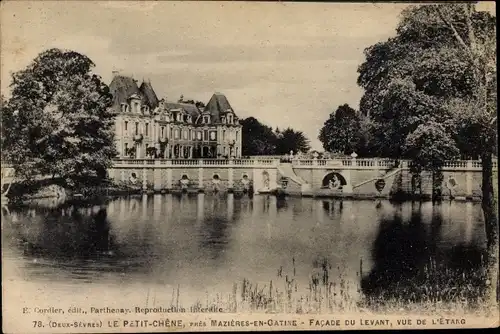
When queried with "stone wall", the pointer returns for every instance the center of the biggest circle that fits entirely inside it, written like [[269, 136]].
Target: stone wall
[[209, 179], [292, 187], [467, 183], [464, 182]]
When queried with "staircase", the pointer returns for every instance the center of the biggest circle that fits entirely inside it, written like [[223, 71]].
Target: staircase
[[390, 173], [286, 170]]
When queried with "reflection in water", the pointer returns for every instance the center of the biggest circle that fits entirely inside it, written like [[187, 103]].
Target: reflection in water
[[200, 209], [333, 207], [281, 204], [171, 240], [72, 232], [414, 262]]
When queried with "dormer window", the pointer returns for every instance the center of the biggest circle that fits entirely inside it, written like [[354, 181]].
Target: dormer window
[[189, 119], [135, 107], [230, 119], [124, 107], [179, 117], [223, 119], [206, 119]]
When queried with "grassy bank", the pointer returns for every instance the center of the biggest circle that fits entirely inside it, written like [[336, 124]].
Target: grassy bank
[[58, 188], [435, 290]]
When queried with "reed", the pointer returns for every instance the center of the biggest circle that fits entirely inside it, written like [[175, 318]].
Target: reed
[[435, 290]]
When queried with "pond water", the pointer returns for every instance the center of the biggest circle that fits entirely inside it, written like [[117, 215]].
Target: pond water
[[181, 250]]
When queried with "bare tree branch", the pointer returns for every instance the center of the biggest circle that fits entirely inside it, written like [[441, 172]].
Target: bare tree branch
[[455, 32]]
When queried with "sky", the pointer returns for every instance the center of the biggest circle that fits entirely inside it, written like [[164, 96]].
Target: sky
[[286, 64]]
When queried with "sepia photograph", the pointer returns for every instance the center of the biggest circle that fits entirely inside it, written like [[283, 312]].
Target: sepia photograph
[[199, 166]]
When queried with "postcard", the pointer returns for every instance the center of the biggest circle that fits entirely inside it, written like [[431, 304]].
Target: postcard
[[174, 166]]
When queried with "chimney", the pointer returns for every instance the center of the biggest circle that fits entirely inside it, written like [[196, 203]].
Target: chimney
[[115, 73]]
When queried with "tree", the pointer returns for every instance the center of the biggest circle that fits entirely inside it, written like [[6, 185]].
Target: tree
[[441, 68], [57, 121], [291, 140], [257, 138], [431, 145], [341, 132]]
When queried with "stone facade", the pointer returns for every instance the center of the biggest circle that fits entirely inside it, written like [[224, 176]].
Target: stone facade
[[148, 127], [361, 179]]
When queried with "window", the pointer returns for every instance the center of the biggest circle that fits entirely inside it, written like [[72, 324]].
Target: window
[[136, 128], [199, 135], [237, 136], [237, 149], [190, 137], [147, 129], [230, 119], [162, 132], [223, 134], [125, 149], [206, 119], [223, 119], [126, 126], [176, 134], [205, 135], [185, 135]]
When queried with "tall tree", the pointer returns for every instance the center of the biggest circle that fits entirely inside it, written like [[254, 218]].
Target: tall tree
[[291, 140], [57, 121], [441, 68], [257, 138], [341, 132], [430, 145]]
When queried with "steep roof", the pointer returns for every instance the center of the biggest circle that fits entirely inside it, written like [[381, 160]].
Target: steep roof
[[218, 105], [121, 87], [191, 109], [149, 95]]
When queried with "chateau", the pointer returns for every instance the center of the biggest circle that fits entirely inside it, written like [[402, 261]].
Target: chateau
[[148, 127]]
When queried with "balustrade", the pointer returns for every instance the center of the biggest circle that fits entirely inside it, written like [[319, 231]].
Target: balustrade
[[298, 163], [456, 164], [346, 162], [365, 162]]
